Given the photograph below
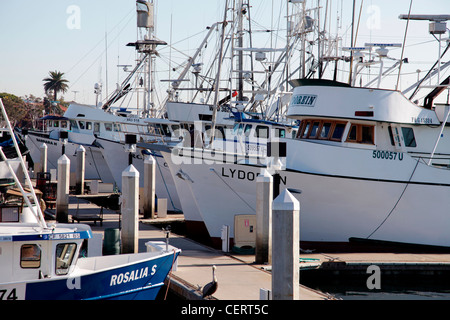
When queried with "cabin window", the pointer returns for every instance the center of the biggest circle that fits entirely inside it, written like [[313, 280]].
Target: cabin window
[[314, 129], [96, 127], [408, 137], [108, 126], [280, 133], [325, 130], [117, 127], [30, 256], [352, 134], [88, 125], [56, 124], [262, 132], [82, 124], [338, 131], [247, 130], [237, 129], [65, 253], [305, 129], [73, 124], [63, 124], [50, 123], [220, 133], [361, 134]]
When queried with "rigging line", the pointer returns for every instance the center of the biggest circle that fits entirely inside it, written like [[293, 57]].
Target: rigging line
[[403, 46], [213, 170], [395, 206], [102, 40]]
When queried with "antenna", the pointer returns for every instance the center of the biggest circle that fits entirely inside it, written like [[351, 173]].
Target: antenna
[[437, 26]]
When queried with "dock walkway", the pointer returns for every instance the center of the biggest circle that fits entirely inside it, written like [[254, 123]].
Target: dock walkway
[[238, 277]]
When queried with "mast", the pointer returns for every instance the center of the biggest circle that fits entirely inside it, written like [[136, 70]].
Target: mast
[[217, 81]]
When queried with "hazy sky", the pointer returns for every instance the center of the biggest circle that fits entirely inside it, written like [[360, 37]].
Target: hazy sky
[[72, 36]]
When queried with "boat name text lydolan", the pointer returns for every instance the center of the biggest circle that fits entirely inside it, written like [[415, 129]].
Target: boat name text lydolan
[[306, 100], [47, 142], [242, 175], [422, 120], [120, 278], [388, 155]]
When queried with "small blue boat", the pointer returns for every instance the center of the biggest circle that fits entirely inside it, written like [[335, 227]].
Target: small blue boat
[[43, 264]]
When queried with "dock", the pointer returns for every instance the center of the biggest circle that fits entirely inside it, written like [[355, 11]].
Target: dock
[[238, 277]]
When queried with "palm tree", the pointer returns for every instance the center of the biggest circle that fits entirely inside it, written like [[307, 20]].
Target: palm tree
[[55, 83]]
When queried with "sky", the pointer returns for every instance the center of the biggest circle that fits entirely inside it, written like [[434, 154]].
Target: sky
[[86, 39]]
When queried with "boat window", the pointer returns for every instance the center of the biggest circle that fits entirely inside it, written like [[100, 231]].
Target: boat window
[[305, 129], [117, 127], [408, 137], [49, 123], [247, 130], [64, 256], [30, 256], [367, 134], [56, 124], [63, 124], [96, 127], [294, 133], [175, 127], [361, 134], [220, 133], [237, 129], [88, 125], [352, 135], [108, 126], [82, 124], [280, 133], [314, 130], [338, 132], [391, 135], [73, 124], [325, 131], [262, 132]]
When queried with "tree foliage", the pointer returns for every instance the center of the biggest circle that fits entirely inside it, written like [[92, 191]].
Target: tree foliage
[[55, 83]]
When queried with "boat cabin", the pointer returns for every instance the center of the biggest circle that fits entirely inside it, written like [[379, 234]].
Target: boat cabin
[[29, 252]]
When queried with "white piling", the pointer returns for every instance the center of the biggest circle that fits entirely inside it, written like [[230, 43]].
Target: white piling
[[264, 194], [130, 210], [62, 190], [285, 240], [79, 177], [43, 149], [149, 187]]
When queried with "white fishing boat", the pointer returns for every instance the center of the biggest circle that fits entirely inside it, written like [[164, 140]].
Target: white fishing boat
[[43, 261], [373, 169]]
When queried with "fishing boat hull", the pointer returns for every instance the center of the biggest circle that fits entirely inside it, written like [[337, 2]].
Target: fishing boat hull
[[401, 200], [95, 165], [135, 280], [118, 160]]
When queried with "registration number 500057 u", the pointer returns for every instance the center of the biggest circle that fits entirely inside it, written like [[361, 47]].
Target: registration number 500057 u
[[387, 155]]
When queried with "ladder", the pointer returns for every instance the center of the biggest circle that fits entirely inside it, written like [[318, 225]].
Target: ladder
[[29, 197]]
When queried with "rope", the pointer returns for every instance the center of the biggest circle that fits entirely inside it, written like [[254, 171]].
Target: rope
[[395, 206], [170, 273]]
